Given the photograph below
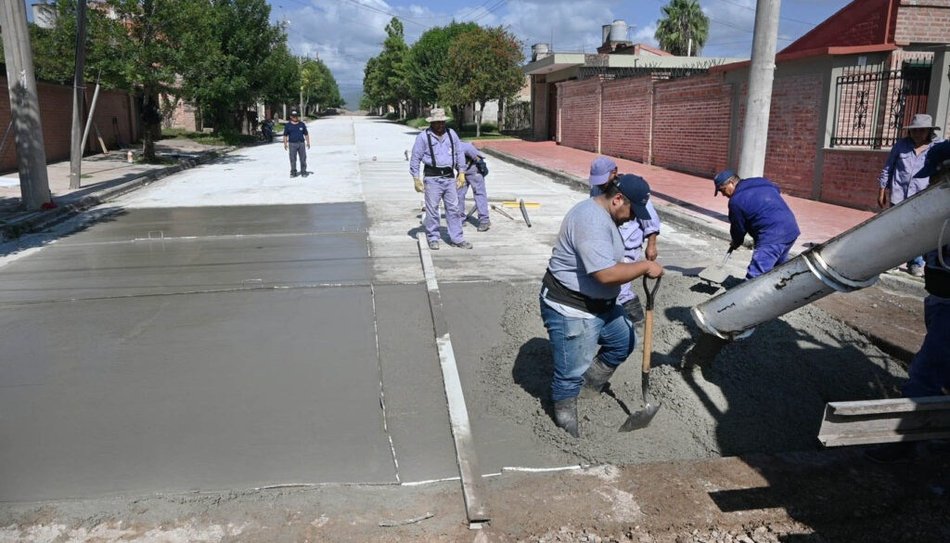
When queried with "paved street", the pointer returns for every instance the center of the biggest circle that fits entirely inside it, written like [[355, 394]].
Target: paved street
[[210, 356], [231, 327]]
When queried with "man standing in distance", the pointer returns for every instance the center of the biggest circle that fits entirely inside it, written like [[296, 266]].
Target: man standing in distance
[[579, 292], [439, 150], [295, 134]]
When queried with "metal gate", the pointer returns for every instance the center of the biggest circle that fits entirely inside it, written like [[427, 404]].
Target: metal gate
[[872, 104]]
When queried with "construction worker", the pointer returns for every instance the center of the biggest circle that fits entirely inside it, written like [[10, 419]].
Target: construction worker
[[474, 166], [439, 150], [295, 134], [756, 208], [634, 233], [929, 372], [898, 180], [590, 334]]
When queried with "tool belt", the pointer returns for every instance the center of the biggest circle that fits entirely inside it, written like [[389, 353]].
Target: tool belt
[[556, 292], [434, 171]]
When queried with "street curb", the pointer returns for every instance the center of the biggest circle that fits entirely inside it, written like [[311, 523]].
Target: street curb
[[39, 220], [896, 281]]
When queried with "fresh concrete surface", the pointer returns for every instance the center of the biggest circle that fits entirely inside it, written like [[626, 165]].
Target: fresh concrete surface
[[231, 327]]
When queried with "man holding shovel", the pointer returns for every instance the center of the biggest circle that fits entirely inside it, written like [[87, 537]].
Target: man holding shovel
[[579, 293], [756, 208]]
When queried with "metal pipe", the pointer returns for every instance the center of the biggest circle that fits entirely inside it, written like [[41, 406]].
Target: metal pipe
[[847, 262]]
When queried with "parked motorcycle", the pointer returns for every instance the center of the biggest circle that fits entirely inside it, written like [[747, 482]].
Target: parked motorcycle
[[267, 130]]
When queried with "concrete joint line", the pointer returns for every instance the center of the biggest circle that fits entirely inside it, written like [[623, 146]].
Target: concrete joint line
[[382, 389], [455, 398]]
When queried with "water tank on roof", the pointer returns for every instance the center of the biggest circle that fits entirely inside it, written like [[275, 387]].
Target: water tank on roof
[[44, 15], [618, 30], [539, 51]]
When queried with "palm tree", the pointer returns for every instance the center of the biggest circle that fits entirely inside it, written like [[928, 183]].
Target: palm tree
[[684, 29]]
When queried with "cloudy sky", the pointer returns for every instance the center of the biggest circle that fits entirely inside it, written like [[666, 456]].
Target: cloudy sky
[[345, 33]]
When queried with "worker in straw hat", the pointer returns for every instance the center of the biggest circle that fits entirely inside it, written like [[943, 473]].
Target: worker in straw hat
[[440, 152], [897, 181]]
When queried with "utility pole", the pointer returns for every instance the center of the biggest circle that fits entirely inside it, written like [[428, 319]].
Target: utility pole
[[24, 106], [75, 154], [755, 130]]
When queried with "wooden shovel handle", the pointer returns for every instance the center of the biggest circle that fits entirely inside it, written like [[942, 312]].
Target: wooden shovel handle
[[647, 339]]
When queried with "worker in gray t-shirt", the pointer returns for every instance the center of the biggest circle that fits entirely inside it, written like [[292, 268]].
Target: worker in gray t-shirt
[[579, 293]]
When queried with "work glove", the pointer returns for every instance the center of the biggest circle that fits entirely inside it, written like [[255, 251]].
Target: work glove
[[460, 180], [417, 181]]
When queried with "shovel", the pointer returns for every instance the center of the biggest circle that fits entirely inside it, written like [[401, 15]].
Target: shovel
[[642, 418], [717, 273]]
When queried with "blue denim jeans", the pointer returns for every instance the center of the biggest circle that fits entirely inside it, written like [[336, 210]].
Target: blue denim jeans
[[575, 342], [930, 368]]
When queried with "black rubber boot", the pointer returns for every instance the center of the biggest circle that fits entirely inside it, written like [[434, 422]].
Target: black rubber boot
[[565, 416], [596, 377], [634, 310]]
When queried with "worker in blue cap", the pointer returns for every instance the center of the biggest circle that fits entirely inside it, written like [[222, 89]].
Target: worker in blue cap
[[579, 293], [756, 208]]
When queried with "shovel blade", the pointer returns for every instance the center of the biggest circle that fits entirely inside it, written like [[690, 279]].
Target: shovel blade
[[640, 419], [714, 274]]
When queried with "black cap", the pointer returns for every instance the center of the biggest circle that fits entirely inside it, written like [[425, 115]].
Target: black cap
[[636, 189]]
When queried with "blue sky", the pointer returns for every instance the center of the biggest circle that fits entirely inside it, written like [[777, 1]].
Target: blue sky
[[345, 33]]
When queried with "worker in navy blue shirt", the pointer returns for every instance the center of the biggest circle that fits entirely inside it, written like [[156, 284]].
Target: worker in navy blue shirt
[[756, 208], [295, 134]]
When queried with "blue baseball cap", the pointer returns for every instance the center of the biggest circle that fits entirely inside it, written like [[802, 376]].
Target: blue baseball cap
[[636, 189], [600, 170], [936, 157], [721, 179]]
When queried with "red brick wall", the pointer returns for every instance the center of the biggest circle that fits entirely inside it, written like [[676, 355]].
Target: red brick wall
[[578, 103], [692, 123], [793, 133], [626, 118], [923, 21], [56, 112], [850, 177]]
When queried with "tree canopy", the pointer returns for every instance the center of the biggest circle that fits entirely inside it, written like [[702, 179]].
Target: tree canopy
[[684, 28], [428, 56], [482, 65], [222, 55], [386, 76]]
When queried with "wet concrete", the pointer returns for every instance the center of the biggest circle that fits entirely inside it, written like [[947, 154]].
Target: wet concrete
[[195, 361]]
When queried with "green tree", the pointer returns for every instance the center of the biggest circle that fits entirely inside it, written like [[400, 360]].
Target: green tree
[[427, 59], [150, 43], [483, 64], [386, 76], [684, 28], [282, 76], [231, 76], [318, 85]]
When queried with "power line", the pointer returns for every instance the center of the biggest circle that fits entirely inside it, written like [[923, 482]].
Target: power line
[[488, 11]]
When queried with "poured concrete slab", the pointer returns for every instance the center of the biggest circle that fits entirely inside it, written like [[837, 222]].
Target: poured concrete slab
[[416, 412], [121, 224], [208, 391], [205, 249]]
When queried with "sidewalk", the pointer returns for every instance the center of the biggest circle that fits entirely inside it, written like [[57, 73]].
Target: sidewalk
[[103, 177]]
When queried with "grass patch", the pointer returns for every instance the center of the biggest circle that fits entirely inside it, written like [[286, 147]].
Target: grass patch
[[227, 137]]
